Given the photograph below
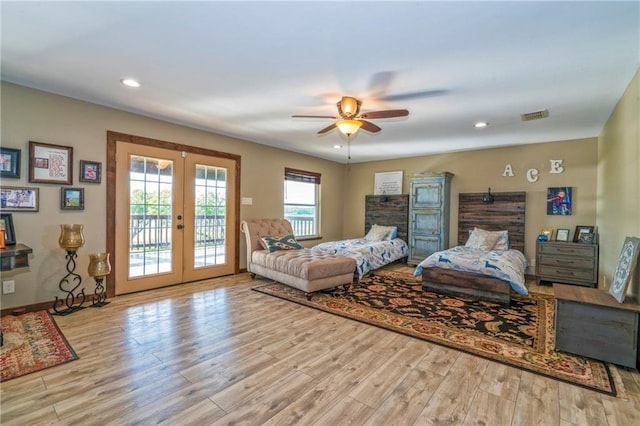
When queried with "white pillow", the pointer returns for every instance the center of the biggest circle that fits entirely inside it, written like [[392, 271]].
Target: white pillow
[[481, 239], [380, 233]]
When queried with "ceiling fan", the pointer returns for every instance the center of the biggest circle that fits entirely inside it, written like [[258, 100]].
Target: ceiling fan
[[350, 119]]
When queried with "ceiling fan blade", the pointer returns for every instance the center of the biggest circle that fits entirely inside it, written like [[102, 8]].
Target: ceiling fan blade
[[314, 116], [385, 114], [326, 129], [413, 95], [369, 126], [379, 84]]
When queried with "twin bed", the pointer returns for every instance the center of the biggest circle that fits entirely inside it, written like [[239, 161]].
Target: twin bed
[[487, 264], [472, 268]]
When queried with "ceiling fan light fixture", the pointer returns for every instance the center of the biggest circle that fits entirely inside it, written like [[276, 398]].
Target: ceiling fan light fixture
[[348, 106], [348, 127]]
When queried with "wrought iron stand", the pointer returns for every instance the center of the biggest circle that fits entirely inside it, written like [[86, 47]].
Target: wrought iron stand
[[72, 301], [100, 297]]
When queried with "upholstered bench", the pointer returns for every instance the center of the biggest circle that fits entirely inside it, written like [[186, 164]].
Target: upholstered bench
[[305, 269]]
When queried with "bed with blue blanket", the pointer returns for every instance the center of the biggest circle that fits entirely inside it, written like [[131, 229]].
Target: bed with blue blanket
[[488, 263], [368, 254]]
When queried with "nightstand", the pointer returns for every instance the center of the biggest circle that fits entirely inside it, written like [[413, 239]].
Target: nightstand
[[569, 263]]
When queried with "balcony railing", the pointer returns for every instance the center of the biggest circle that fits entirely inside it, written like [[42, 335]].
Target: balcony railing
[[154, 232], [303, 226]]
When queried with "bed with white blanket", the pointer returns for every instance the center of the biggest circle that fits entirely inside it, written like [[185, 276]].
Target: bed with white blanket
[[487, 264], [368, 254]]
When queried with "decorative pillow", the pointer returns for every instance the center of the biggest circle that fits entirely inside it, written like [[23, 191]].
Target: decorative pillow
[[481, 239], [287, 242], [503, 241], [380, 233]]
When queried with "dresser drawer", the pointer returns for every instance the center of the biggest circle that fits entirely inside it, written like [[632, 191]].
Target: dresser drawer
[[566, 262], [569, 249], [551, 272]]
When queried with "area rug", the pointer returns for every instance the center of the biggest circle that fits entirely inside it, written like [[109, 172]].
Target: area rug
[[520, 335], [31, 342]]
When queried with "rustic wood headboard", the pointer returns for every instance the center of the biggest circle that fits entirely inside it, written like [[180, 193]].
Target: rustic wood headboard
[[506, 212], [388, 210]]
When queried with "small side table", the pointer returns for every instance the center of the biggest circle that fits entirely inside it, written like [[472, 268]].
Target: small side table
[[591, 323], [15, 256]]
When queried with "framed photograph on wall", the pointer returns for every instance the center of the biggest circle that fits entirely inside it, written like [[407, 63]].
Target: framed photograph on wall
[[90, 171], [10, 163], [6, 223], [50, 163], [583, 233], [72, 198], [18, 199], [559, 201], [562, 235], [626, 265]]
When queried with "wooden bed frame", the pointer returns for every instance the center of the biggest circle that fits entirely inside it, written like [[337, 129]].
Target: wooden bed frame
[[506, 212]]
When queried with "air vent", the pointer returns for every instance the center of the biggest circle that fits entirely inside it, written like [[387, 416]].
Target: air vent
[[536, 115]]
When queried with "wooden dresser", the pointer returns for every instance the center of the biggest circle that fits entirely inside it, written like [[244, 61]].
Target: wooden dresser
[[591, 323], [570, 263]]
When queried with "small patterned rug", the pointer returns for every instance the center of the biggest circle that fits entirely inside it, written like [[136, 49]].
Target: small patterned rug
[[520, 335], [31, 342]]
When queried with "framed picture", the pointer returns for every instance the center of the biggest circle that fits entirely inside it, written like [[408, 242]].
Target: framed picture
[[562, 235], [547, 232], [72, 198], [580, 231], [6, 223], [10, 163], [626, 265], [18, 199], [50, 163], [559, 201], [90, 171]]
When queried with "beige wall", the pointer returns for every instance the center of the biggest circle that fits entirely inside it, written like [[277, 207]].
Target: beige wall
[[618, 203], [603, 173], [29, 114], [475, 171]]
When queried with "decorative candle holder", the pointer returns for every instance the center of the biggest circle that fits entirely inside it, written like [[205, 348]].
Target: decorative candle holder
[[99, 267], [71, 239]]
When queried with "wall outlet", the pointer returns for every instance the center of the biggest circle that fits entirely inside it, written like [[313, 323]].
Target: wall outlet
[[532, 262], [8, 286]]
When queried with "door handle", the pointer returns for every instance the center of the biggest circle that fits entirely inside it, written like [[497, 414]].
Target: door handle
[[180, 226]]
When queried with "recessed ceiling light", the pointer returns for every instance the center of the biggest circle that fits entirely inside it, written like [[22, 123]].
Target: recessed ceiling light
[[337, 146], [480, 124], [130, 82]]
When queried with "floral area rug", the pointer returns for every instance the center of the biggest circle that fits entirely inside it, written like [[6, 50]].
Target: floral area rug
[[31, 342], [520, 335]]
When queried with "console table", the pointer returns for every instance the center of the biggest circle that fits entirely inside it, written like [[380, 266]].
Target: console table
[[591, 323], [16, 256]]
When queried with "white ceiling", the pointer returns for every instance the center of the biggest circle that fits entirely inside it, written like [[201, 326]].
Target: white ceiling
[[243, 68]]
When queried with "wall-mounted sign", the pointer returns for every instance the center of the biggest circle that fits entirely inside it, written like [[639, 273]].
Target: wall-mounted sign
[[388, 183], [533, 174]]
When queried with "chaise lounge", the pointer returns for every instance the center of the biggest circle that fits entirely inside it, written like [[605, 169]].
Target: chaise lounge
[[305, 269]]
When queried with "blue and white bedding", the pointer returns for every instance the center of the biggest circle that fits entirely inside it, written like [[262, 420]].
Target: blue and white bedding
[[369, 255], [506, 265]]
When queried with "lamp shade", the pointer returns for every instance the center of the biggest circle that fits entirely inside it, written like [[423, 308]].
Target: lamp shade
[[349, 127], [349, 106], [99, 265], [71, 237]]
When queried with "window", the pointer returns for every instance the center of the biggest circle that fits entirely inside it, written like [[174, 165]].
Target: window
[[301, 208]]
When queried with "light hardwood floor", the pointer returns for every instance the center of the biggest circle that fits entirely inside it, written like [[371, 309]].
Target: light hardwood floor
[[215, 352]]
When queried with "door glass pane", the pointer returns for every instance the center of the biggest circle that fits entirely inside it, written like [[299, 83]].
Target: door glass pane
[[210, 221], [150, 196]]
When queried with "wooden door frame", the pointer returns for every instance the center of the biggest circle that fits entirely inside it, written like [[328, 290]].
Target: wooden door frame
[[112, 139]]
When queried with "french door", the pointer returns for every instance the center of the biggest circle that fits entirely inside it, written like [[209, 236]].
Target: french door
[[174, 217]]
